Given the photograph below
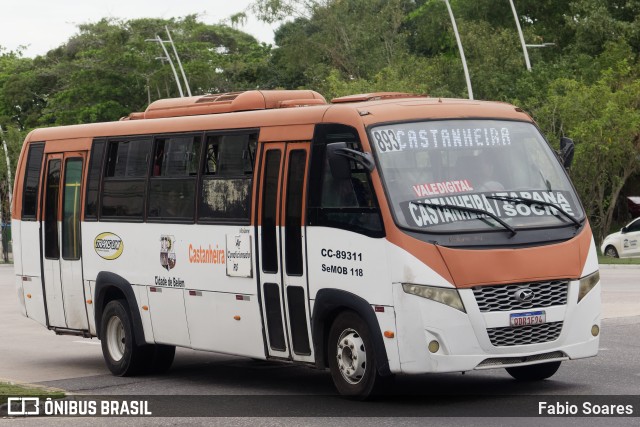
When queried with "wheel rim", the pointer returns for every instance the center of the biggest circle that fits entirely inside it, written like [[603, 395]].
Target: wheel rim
[[351, 356], [115, 338], [610, 252]]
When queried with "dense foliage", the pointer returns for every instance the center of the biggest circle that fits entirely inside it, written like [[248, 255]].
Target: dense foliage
[[584, 85]]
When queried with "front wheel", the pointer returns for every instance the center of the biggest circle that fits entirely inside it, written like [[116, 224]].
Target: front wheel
[[534, 372], [122, 355], [611, 252], [352, 360]]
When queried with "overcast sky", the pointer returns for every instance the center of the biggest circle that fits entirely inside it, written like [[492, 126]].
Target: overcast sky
[[42, 25]]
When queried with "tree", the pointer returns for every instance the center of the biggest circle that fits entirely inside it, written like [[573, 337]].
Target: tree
[[13, 139], [21, 95], [357, 38], [109, 70], [604, 120]]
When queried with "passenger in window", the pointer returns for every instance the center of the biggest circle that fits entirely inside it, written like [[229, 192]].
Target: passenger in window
[[157, 161]]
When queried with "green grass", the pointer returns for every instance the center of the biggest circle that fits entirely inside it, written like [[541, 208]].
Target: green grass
[[608, 260], [15, 390]]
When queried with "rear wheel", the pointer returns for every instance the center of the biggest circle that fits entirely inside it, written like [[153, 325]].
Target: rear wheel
[[352, 361], [611, 251], [122, 355], [534, 372]]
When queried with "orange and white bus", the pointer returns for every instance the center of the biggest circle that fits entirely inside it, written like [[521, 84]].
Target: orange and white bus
[[375, 235]]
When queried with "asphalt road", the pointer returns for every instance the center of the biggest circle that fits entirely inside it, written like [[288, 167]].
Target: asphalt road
[[29, 353]]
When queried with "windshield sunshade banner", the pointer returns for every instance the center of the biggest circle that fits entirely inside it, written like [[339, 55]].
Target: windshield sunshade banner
[[426, 212]]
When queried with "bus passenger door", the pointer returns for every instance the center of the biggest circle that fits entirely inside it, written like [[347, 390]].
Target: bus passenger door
[[64, 288], [283, 279]]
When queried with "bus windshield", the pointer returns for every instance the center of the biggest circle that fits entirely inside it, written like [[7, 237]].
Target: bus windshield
[[494, 170]]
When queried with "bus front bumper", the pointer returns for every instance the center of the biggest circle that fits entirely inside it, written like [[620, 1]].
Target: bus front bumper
[[434, 337]]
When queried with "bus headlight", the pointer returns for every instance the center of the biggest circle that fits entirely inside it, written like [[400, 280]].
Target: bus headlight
[[446, 296], [587, 283]]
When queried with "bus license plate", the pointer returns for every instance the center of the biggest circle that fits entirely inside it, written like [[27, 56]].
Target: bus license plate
[[530, 318]]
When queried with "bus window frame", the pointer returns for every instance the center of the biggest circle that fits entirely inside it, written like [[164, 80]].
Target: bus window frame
[[104, 179], [313, 215], [77, 235], [151, 177], [40, 183], [252, 176], [46, 239], [199, 177], [101, 167]]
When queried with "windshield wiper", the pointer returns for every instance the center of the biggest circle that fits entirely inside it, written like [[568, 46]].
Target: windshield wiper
[[530, 202], [472, 210]]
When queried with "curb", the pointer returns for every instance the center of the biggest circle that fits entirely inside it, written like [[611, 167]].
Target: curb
[[4, 408], [30, 385]]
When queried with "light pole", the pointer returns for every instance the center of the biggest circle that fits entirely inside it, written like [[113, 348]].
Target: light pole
[[175, 52], [541, 45], [464, 61], [168, 58], [524, 46]]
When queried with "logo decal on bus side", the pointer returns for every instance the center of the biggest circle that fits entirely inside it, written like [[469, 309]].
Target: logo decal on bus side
[[167, 254], [108, 246]]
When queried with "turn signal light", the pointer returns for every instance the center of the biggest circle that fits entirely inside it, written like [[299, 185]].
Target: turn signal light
[[29, 296], [236, 317], [89, 301], [389, 334], [145, 307]]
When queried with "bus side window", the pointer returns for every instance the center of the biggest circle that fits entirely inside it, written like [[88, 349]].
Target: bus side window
[[32, 182], [347, 203], [227, 173], [51, 246], [172, 187], [93, 180], [71, 209], [125, 179]]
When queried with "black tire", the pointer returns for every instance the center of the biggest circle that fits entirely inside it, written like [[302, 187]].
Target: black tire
[[611, 252], [122, 356], [161, 358], [534, 372], [363, 381]]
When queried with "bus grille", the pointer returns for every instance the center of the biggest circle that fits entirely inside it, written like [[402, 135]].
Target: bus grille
[[503, 297], [521, 335]]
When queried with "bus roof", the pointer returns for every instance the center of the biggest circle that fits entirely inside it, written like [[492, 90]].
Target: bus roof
[[385, 111], [292, 113]]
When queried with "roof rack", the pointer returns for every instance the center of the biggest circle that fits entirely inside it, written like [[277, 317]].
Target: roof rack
[[228, 102], [375, 97]]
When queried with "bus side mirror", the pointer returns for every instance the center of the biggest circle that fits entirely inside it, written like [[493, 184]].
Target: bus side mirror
[[567, 150], [339, 156]]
